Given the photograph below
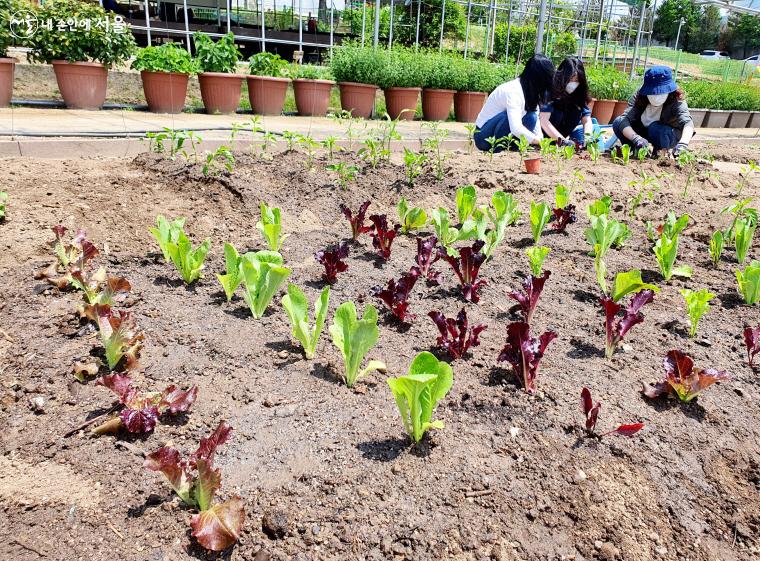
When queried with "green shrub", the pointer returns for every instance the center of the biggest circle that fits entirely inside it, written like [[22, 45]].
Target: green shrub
[[97, 44], [439, 71], [310, 72], [353, 63], [267, 64], [704, 94], [219, 56], [608, 83], [169, 57], [6, 39], [478, 76], [401, 68]]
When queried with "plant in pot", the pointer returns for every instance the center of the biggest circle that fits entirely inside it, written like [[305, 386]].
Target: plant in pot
[[402, 79], [357, 70], [267, 83], [473, 81], [220, 85], [165, 71], [7, 64], [80, 56], [623, 93], [604, 83], [312, 86], [437, 92]]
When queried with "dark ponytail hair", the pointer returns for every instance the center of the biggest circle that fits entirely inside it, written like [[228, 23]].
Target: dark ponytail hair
[[536, 80], [571, 66]]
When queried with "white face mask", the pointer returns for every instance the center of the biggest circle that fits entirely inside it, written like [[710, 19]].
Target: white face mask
[[571, 86], [657, 100]]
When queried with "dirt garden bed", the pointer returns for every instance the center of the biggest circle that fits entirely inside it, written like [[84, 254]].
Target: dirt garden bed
[[326, 472]]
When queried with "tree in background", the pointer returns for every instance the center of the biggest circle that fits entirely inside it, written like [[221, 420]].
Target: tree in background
[[666, 22], [707, 33], [455, 22], [743, 32]]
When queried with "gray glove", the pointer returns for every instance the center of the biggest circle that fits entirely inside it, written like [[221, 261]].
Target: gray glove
[[680, 148], [565, 142], [640, 142]]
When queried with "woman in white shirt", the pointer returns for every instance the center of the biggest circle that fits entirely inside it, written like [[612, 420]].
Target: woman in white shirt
[[512, 108]]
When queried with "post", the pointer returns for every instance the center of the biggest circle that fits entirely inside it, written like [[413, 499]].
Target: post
[[678, 33], [417, 31], [228, 5], [377, 24], [487, 42], [540, 30], [390, 26], [467, 29], [364, 19], [638, 38], [549, 28], [300, 29], [263, 28], [443, 20], [147, 20], [599, 31], [509, 29], [678, 63], [332, 19], [187, 25], [493, 25], [583, 29]]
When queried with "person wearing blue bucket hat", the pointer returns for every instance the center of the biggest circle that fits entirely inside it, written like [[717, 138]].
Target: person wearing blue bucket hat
[[657, 117]]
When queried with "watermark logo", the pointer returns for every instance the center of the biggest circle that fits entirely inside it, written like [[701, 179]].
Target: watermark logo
[[23, 24]]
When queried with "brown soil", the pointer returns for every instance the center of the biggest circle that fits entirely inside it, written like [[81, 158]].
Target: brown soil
[[332, 463]]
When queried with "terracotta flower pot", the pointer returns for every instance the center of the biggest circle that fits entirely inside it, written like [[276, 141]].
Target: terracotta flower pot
[[82, 85], [312, 96], [401, 102], [220, 91], [620, 107], [7, 67], [467, 106], [357, 98], [533, 165], [436, 104], [603, 110], [591, 104], [267, 94], [164, 91]]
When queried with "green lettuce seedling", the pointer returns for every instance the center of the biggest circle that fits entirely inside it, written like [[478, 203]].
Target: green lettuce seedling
[[503, 209], [674, 226], [445, 233], [3, 204], [297, 307], [418, 393], [466, 200], [666, 251], [234, 276], [166, 232], [716, 248], [263, 273], [539, 217], [744, 231], [411, 218], [188, 261], [354, 338], [749, 283], [561, 196], [697, 304], [270, 227], [600, 207], [630, 282], [536, 254]]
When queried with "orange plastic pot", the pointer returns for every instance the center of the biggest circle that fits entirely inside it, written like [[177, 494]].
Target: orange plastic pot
[[436, 104], [603, 110], [467, 106], [312, 96], [533, 165], [620, 107], [164, 91], [357, 98], [401, 102], [82, 85], [267, 94], [220, 91], [7, 68]]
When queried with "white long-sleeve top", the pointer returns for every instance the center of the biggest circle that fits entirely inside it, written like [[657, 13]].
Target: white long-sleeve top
[[509, 98]]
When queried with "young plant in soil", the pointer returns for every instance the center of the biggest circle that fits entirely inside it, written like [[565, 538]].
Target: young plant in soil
[[297, 307], [382, 236], [142, 409], [426, 257], [470, 128], [503, 209], [413, 164], [432, 146], [396, 294], [744, 233], [263, 273], [234, 275], [716, 248], [330, 145], [176, 245], [741, 210], [270, 227], [752, 342], [73, 255], [196, 481], [167, 232], [617, 327], [332, 259], [687, 160], [539, 216], [682, 379], [603, 234], [100, 289], [118, 333], [591, 412], [749, 283], [412, 218], [372, 151], [219, 159], [356, 220], [745, 172], [666, 248], [524, 352], [536, 256], [494, 144], [527, 299], [523, 147], [446, 234], [562, 217], [3, 205], [417, 394], [310, 148], [346, 173], [697, 304], [354, 338], [467, 266], [467, 200], [457, 336]]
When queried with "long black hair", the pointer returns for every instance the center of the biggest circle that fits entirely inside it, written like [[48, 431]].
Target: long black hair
[[571, 66], [536, 80]]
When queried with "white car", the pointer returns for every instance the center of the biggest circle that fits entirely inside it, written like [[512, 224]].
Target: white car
[[753, 60], [714, 54]]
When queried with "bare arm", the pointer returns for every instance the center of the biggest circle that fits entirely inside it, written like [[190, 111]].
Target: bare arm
[[546, 124]]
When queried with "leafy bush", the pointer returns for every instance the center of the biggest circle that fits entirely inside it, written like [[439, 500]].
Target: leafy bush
[[169, 57], [439, 71], [609, 83], [96, 44], [220, 56], [401, 68], [353, 63], [476, 76], [267, 64], [310, 72], [721, 95]]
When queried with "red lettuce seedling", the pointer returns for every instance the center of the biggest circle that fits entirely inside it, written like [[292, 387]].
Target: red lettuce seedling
[[752, 341], [196, 481], [382, 236], [332, 258], [466, 267], [396, 294], [73, 257], [561, 217], [142, 409], [591, 411], [356, 220], [426, 257], [119, 335], [618, 327], [682, 379], [528, 297], [456, 334], [524, 352]]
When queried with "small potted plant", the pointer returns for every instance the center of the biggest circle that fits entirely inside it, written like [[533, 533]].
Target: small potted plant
[[357, 71], [165, 71], [267, 83], [402, 77], [7, 65], [473, 81], [437, 92], [80, 56], [312, 86], [604, 85], [220, 85]]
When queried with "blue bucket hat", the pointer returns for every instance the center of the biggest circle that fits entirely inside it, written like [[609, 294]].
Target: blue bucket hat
[[658, 80]]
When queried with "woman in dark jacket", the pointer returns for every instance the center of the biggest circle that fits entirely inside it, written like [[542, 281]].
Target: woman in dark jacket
[[657, 117], [567, 118]]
